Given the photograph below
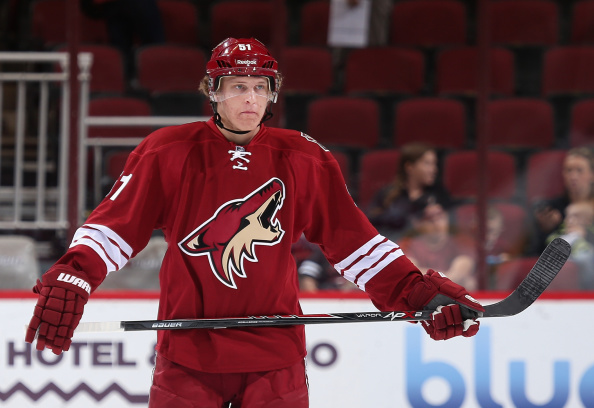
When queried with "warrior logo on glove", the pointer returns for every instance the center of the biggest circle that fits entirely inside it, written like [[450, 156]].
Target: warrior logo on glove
[[231, 233], [62, 298], [81, 283]]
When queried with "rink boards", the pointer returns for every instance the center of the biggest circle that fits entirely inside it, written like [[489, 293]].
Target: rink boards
[[543, 356]]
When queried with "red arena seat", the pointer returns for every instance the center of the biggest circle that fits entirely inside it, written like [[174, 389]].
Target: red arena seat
[[344, 121]]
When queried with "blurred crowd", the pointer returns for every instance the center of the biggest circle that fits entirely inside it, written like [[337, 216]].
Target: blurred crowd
[[437, 232]]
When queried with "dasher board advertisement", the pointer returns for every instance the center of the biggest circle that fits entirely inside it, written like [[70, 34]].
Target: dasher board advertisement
[[541, 357]]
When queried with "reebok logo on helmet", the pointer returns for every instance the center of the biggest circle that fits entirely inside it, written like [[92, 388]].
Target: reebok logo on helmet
[[246, 62]]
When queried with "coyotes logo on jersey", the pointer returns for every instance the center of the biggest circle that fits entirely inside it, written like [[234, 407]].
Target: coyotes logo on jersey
[[231, 234]]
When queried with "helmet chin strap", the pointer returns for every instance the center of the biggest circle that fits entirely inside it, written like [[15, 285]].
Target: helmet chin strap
[[217, 120], [219, 123]]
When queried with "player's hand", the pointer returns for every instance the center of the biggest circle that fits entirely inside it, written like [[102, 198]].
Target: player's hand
[[62, 298], [455, 310]]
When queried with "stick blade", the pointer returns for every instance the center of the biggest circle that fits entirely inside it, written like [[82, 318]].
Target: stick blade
[[538, 279]]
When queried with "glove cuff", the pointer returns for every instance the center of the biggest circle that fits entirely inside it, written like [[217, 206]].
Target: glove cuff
[[68, 278]]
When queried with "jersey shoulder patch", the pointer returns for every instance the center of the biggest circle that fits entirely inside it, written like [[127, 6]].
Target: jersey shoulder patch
[[312, 140]]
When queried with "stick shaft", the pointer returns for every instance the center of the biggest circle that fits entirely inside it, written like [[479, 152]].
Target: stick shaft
[[251, 321], [538, 279]]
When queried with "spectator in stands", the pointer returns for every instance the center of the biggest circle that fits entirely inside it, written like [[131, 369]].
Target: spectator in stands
[[578, 177], [501, 245], [432, 242], [416, 179], [578, 230]]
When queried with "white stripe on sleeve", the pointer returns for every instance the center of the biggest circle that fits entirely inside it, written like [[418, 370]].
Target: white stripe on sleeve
[[112, 249], [109, 233], [109, 264], [367, 261]]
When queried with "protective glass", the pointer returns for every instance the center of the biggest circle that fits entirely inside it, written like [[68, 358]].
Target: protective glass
[[240, 89]]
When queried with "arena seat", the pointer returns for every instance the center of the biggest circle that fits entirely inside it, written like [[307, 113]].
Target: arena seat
[[344, 121], [313, 24], [544, 178], [48, 24], [520, 123], [581, 125], [439, 122], [428, 23], [180, 22], [167, 73], [568, 70], [377, 169], [581, 22], [524, 23], [307, 74], [241, 19], [307, 70], [366, 72], [169, 68], [107, 71], [457, 71], [461, 178]]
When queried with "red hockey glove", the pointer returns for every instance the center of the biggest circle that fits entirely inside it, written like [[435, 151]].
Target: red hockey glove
[[62, 298], [455, 310]]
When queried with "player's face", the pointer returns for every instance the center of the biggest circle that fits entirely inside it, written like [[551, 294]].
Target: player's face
[[242, 101]]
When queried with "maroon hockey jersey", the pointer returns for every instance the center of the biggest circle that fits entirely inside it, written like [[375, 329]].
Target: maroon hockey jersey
[[230, 215]]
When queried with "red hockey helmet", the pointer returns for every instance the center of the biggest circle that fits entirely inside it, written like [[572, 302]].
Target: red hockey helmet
[[244, 56]]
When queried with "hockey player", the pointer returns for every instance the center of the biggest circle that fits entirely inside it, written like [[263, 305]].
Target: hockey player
[[231, 196]]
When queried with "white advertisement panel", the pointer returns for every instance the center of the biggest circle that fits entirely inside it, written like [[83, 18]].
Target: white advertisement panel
[[540, 358]]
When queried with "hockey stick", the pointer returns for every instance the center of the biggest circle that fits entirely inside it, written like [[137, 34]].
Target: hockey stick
[[540, 276]]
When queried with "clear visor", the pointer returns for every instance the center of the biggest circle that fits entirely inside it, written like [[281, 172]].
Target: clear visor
[[245, 90]]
